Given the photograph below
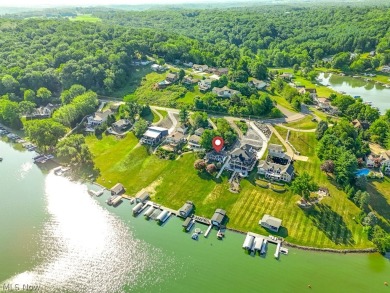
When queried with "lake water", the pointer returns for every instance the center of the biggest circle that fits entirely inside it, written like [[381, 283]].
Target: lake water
[[56, 236], [369, 91]]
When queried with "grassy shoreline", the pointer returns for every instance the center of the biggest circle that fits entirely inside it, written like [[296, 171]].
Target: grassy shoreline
[[330, 225]]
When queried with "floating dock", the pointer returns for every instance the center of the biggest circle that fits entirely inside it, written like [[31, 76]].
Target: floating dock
[[208, 231]]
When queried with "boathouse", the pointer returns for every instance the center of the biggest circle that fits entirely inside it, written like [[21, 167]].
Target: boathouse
[[142, 196], [218, 217], [187, 222], [271, 223], [117, 189], [186, 209]]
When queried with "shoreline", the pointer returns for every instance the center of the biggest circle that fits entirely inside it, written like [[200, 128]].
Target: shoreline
[[301, 247]]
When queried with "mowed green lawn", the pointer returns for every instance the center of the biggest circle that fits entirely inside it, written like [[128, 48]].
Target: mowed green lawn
[[304, 123], [177, 181]]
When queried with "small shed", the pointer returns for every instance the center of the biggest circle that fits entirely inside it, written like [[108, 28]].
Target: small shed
[[186, 209], [271, 223], [218, 217], [117, 189], [142, 196]]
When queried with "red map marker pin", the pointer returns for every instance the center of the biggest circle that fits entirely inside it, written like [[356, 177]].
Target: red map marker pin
[[218, 143]]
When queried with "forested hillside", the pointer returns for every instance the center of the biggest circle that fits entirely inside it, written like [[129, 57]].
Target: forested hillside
[[279, 35], [56, 54]]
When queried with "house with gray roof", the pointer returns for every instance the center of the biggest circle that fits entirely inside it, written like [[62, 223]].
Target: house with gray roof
[[225, 92], [242, 159], [270, 223], [204, 84], [276, 150], [259, 84], [117, 189], [154, 135], [276, 171], [121, 125], [186, 209], [218, 217], [194, 142]]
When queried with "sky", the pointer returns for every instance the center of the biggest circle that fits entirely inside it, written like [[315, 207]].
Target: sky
[[30, 3]]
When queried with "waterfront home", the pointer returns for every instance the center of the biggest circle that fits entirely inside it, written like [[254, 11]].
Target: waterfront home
[[172, 77], [276, 171], [194, 142], [386, 162], [364, 125], [117, 189], [154, 135], [219, 157], [186, 209], [270, 222], [97, 119], [373, 160], [242, 159], [142, 196], [188, 79], [225, 92], [218, 217], [157, 68], [121, 125], [201, 68], [204, 84], [259, 84], [43, 112]]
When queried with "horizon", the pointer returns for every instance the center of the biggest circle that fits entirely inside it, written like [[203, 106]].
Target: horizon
[[86, 3]]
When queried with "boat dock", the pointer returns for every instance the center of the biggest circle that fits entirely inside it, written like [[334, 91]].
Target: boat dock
[[258, 243], [202, 220], [208, 230]]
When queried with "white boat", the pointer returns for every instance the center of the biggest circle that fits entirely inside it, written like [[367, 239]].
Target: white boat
[[284, 250], [264, 247]]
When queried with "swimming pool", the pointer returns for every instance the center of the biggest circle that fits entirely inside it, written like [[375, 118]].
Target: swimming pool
[[362, 172]]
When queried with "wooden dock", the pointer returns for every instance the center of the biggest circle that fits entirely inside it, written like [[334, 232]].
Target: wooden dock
[[202, 220]]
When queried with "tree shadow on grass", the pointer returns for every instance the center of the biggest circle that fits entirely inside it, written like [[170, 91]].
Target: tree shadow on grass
[[331, 223], [206, 176], [379, 203]]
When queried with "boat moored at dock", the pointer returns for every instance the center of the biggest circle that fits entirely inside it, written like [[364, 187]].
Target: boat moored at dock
[[137, 209]]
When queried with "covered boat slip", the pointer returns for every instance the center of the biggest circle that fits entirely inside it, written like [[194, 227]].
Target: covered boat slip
[[258, 243]]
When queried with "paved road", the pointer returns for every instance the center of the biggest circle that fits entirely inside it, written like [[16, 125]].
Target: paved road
[[297, 130]]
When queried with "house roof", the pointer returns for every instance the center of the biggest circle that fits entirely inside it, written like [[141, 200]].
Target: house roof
[[143, 195], [218, 216], [172, 75], [267, 165], [199, 131], [156, 128], [176, 135], [244, 153], [186, 209], [312, 91], [272, 221], [121, 122], [194, 138], [100, 116], [152, 133], [117, 188], [323, 100]]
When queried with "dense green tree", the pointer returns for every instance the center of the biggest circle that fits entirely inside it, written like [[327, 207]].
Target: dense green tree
[[26, 107], [43, 94], [380, 131], [345, 167], [183, 115], [199, 119], [45, 133], [303, 185], [140, 127], [74, 150], [321, 128], [29, 95], [9, 113]]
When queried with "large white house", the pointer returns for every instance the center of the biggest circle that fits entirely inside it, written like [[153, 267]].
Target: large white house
[[97, 119], [271, 223], [225, 92]]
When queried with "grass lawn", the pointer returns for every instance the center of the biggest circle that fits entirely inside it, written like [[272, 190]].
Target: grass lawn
[[134, 82], [282, 102], [304, 123], [380, 200], [174, 182], [85, 17], [163, 113], [304, 142]]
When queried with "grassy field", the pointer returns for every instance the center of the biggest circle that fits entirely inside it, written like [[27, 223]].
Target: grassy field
[[174, 182], [282, 102], [85, 17], [304, 123], [304, 142], [135, 81]]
